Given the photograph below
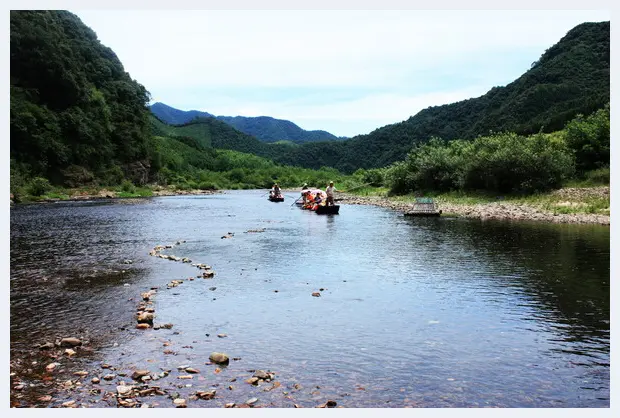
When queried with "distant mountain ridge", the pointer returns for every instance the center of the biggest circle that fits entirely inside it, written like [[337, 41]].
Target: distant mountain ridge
[[265, 128]]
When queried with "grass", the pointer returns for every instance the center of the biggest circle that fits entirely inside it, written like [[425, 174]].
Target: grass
[[548, 202]]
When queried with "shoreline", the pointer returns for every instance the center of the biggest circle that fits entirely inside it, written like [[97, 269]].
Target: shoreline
[[499, 210]]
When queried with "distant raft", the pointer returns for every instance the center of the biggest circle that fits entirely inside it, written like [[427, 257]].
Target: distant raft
[[424, 207]]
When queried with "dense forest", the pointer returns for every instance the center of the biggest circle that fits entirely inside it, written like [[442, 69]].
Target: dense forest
[[78, 118], [264, 128], [76, 114]]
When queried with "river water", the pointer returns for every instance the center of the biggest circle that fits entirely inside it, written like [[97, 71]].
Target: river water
[[436, 312]]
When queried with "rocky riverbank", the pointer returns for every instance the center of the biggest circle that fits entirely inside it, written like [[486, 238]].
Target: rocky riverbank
[[502, 209]]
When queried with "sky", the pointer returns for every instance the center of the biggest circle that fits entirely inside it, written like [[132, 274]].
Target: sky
[[344, 71]]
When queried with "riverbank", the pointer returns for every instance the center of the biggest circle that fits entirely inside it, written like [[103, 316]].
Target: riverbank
[[567, 205], [110, 193]]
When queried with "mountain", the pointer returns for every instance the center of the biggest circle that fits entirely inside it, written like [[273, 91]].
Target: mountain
[[75, 114], [265, 128], [570, 78], [173, 116], [269, 129]]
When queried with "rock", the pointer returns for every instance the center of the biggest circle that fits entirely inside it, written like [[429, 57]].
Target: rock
[[167, 326], [316, 294], [109, 377], [187, 376], [212, 288], [230, 405], [222, 335], [124, 390], [180, 403], [139, 374], [69, 404], [128, 261], [328, 404], [69, 352], [219, 358], [45, 398], [146, 318], [143, 326], [50, 367], [253, 380], [251, 401], [191, 370], [81, 373], [46, 346], [208, 274], [70, 342], [95, 380], [210, 394], [261, 374]]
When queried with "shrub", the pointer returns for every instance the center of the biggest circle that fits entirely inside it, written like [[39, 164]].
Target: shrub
[[38, 186]]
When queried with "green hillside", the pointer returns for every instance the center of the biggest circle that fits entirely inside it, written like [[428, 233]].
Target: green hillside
[[75, 114], [570, 78]]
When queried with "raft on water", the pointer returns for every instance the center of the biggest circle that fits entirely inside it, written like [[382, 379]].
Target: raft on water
[[327, 210], [424, 206], [276, 198]]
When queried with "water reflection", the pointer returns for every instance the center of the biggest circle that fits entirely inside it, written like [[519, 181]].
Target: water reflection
[[420, 312]]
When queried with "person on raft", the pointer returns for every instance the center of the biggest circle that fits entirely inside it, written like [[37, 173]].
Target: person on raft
[[330, 193], [305, 186], [275, 190]]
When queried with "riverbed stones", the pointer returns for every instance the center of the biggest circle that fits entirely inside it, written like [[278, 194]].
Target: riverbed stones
[[70, 352], [95, 380], [143, 326], [70, 342], [124, 390], [139, 374], [208, 274], [46, 346], [206, 395], [219, 358], [146, 318], [51, 367], [180, 403], [109, 376], [251, 401], [81, 373], [253, 381], [191, 370], [316, 294]]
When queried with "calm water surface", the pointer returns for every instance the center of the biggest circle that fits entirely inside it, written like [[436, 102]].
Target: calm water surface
[[413, 312]]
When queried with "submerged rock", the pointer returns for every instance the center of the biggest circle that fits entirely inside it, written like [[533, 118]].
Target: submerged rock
[[219, 358], [316, 294], [206, 395]]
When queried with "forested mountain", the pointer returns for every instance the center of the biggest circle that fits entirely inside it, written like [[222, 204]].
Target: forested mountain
[[570, 78], [173, 116], [75, 113], [265, 128]]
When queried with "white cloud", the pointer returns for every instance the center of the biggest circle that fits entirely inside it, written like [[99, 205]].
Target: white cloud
[[185, 51]]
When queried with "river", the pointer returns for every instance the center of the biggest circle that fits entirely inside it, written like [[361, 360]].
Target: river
[[431, 313]]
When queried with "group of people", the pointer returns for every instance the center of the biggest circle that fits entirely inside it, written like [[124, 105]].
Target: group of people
[[314, 198]]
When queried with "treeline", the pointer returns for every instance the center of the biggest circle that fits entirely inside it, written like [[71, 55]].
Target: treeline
[[503, 162]]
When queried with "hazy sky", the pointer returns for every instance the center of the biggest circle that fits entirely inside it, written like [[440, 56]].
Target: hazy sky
[[346, 72]]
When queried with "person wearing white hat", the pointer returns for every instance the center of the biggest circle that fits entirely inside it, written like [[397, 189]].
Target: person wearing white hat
[[330, 193]]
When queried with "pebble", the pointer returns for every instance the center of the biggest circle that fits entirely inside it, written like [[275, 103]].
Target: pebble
[[219, 358], [180, 403]]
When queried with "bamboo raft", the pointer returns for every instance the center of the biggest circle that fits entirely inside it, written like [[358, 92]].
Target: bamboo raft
[[424, 207]]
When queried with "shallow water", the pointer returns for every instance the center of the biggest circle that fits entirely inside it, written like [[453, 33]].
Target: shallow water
[[413, 312]]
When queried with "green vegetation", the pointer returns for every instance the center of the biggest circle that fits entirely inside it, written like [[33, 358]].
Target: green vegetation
[[73, 107], [571, 78]]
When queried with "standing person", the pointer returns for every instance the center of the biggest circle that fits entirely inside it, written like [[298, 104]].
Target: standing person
[[330, 193], [275, 190], [305, 186]]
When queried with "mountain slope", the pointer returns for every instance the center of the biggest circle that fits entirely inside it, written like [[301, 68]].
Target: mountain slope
[[571, 77], [75, 113], [265, 128], [173, 116]]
